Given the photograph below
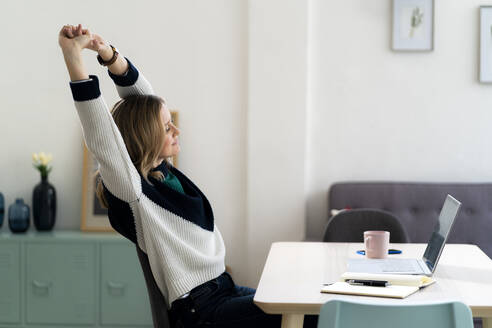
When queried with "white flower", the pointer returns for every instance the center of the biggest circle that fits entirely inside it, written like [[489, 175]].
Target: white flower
[[42, 158], [45, 158]]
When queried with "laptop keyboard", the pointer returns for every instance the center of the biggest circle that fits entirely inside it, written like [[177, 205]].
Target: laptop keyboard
[[399, 265]]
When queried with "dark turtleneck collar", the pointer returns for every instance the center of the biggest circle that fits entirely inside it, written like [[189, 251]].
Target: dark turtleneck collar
[[190, 204], [163, 167]]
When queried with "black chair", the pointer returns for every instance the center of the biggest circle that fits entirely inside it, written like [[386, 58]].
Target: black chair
[[160, 315], [349, 225]]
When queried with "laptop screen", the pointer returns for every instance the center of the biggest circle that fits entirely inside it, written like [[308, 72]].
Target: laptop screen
[[441, 231]]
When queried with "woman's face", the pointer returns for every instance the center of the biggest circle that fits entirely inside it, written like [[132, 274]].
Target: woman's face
[[171, 144]]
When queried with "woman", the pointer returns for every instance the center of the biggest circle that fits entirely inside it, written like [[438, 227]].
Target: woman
[[150, 202]]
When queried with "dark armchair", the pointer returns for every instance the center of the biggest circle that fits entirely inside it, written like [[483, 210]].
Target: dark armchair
[[158, 304]]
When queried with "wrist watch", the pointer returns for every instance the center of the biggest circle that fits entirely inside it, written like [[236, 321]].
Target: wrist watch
[[112, 60]]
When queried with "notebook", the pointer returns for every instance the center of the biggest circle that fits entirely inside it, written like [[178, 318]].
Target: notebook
[[429, 260], [390, 291], [400, 286], [394, 279]]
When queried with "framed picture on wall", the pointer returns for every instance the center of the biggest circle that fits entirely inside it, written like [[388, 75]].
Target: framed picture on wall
[[485, 74], [413, 25], [94, 217]]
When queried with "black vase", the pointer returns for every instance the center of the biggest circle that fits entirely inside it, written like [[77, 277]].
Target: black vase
[[44, 205], [2, 209]]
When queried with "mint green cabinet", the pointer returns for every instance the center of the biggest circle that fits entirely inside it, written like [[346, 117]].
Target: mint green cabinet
[[10, 283], [121, 292], [60, 283], [71, 279]]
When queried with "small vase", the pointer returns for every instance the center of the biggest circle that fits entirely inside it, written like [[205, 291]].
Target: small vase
[[2, 208], [44, 205], [19, 216]]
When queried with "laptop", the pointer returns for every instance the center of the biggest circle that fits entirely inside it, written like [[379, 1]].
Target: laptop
[[426, 265]]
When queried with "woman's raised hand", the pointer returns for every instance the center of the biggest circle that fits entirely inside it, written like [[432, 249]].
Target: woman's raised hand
[[72, 39], [97, 43], [101, 47]]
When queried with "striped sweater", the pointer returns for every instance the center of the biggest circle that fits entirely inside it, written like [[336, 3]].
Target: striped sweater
[[176, 230]]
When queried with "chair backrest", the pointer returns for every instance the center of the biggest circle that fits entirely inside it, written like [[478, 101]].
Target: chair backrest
[[158, 303], [349, 225], [345, 314]]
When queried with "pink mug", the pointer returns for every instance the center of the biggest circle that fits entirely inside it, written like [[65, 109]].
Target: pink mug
[[376, 243]]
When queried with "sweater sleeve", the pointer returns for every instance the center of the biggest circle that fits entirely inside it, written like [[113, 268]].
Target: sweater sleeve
[[105, 142], [131, 83]]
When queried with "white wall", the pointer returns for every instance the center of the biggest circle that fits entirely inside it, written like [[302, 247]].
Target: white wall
[[277, 100], [276, 126], [235, 70], [376, 114], [193, 52]]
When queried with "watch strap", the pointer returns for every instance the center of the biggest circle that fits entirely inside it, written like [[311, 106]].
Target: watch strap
[[111, 61]]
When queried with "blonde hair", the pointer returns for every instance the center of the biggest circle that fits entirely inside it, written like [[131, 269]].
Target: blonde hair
[[138, 118]]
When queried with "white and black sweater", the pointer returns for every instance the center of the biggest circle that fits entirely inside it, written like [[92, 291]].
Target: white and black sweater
[[176, 230]]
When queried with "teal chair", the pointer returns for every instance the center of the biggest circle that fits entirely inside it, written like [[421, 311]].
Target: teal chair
[[345, 314]]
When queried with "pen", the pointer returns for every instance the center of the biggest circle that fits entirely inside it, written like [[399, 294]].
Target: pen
[[373, 283]]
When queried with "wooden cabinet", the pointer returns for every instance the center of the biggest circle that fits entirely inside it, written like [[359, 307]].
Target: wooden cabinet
[[71, 279]]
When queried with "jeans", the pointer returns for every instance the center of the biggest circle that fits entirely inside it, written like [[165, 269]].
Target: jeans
[[219, 303]]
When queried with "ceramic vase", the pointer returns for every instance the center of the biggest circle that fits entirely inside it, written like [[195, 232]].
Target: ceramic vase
[[19, 216], [2, 208], [44, 205]]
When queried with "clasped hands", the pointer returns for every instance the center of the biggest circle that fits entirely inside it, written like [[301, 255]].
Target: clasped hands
[[73, 39]]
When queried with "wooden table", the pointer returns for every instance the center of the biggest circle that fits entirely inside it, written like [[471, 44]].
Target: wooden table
[[295, 271]]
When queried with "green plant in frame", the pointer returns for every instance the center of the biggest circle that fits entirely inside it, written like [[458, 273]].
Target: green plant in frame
[[416, 21]]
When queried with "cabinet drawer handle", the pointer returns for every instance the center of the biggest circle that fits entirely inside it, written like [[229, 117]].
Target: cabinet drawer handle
[[116, 289], [41, 288]]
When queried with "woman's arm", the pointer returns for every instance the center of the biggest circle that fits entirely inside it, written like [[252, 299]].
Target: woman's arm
[[90, 41], [71, 49], [101, 134], [128, 80], [120, 66]]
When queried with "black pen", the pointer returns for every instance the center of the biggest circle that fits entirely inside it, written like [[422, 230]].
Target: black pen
[[373, 283]]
